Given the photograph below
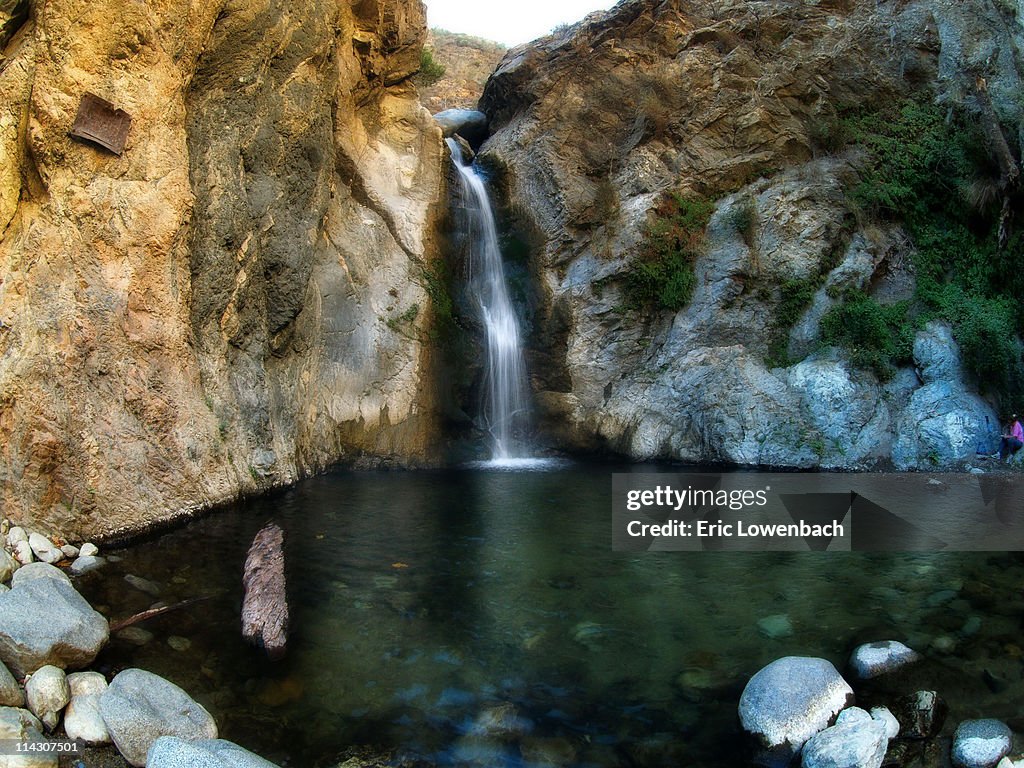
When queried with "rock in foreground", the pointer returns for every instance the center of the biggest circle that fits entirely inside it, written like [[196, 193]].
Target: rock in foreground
[[855, 742], [791, 699], [981, 743], [45, 621], [172, 752], [140, 707]]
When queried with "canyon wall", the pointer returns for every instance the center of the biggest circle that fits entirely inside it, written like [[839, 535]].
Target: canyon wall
[[594, 125], [237, 299]]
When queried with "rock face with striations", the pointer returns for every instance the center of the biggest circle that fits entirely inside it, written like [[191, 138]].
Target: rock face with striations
[[592, 126], [238, 298]]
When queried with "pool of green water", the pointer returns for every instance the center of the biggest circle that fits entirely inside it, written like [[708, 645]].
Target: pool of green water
[[480, 617]]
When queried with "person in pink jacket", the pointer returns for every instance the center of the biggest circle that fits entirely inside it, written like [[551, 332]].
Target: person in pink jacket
[[1013, 440]]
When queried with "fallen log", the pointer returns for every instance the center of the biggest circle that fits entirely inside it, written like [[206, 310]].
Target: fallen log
[[265, 605]]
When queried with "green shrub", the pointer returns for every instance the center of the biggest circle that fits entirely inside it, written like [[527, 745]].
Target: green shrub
[[924, 167], [661, 276], [795, 297], [875, 336], [431, 70]]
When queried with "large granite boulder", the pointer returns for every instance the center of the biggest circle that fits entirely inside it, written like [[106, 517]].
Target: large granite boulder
[[139, 707], [945, 421], [43, 620], [791, 699], [172, 752]]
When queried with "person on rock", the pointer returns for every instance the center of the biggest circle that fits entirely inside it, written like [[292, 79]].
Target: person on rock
[[1012, 440]]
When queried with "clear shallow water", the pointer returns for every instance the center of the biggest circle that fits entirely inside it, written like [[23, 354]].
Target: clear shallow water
[[429, 607]]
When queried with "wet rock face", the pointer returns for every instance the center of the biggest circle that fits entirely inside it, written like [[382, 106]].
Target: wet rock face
[[208, 313], [593, 126]]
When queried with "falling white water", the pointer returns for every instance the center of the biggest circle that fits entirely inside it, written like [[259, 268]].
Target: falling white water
[[505, 399]]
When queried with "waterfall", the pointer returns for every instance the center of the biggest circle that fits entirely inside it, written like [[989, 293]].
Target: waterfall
[[505, 410]]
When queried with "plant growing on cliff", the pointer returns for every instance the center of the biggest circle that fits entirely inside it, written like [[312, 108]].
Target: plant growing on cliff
[[876, 336], [431, 70], [925, 167], [661, 276]]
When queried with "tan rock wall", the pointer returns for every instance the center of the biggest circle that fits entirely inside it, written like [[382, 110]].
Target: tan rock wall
[[208, 313]]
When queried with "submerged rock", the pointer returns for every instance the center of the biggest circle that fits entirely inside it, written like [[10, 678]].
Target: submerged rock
[[151, 588], [173, 752], [775, 627], [981, 743], [873, 659], [139, 707], [792, 699], [43, 620]]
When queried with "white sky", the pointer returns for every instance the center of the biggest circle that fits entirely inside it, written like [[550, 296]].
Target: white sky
[[507, 22]]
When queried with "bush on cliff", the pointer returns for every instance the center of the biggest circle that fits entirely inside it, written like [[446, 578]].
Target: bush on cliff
[[929, 169], [661, 276]]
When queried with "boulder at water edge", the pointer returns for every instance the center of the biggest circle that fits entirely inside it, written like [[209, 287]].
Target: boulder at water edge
[[172, 752], [43, 620], [792, 699], [140, 707], [980, 743], [21, 725], [874, 659], [855, 741]]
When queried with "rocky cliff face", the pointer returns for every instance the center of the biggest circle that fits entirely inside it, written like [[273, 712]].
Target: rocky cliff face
[[591, 127], [237, 299]]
